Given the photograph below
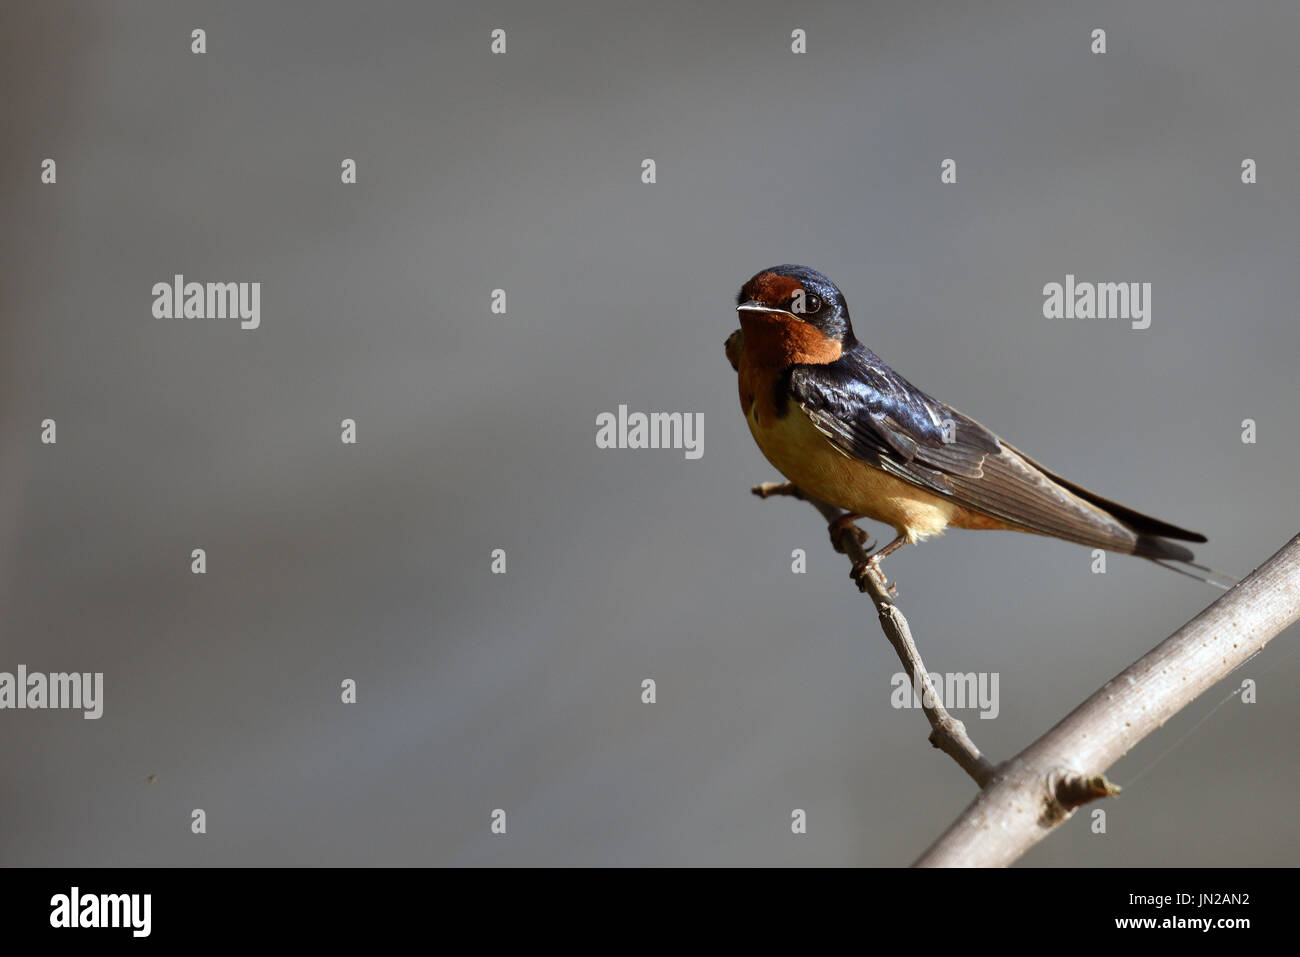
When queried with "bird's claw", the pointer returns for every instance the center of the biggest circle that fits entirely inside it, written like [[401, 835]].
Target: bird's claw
[[869, 569], [845, 524]]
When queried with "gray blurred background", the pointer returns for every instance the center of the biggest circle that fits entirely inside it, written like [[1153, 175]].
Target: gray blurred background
[[477, 431]]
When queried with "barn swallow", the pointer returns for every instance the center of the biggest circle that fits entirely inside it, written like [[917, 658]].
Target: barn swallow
[[847, 429]]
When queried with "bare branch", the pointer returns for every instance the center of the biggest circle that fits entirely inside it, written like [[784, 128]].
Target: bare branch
[[947, 733], [1035, 791], [1023, 800]]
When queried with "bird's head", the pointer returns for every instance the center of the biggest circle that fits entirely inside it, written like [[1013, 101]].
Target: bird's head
[[799, 308]]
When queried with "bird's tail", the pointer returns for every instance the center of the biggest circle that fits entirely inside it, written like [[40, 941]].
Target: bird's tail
[[1178, 558]]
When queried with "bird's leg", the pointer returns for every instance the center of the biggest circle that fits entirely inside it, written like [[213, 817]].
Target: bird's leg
[[845, 524], [893, 546], [872, 565]]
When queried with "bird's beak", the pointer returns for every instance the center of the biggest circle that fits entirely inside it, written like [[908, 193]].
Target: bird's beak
[[753, 305]]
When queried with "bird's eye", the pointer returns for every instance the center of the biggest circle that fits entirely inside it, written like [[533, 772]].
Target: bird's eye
[[812, 304]]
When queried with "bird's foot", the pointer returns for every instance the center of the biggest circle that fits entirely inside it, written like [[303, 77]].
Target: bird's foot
[[845, 524], [871, 569]]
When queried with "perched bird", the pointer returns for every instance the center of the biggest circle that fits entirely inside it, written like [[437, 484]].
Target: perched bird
[[847, 429]]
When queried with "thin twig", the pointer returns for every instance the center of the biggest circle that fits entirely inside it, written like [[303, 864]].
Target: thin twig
[[947, 733]]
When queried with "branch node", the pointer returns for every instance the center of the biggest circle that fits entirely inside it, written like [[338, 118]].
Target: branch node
[[768, 489], [1068, 790]]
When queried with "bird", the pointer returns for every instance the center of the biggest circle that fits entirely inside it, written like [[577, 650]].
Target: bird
[[848, 430]]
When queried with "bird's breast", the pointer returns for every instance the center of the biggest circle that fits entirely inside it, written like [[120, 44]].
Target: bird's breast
[[790, 441]]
